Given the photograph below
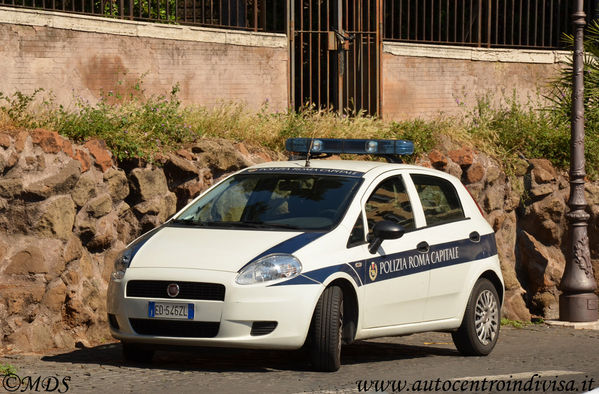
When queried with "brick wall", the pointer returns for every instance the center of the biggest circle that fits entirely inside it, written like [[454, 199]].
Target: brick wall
[[72, 54], [423, 81], [79, 55]]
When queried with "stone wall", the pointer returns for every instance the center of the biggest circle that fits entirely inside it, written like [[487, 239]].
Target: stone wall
[[66, 210], [527, 213], [421, 81], [70, 54]]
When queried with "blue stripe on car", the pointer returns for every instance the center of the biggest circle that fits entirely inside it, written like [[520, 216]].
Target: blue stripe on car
[[438, 256], [291, 245], [404, 263], [318, 276]]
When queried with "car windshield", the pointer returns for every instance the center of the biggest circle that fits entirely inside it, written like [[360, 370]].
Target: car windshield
[[274, 201]]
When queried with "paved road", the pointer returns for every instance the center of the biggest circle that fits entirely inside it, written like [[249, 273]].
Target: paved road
[[566, 359]]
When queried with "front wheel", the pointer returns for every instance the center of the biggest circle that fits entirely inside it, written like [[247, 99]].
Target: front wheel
[[326, 330], [479, 331]]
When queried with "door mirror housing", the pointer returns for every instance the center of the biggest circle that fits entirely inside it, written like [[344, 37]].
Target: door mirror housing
[[384, 230]]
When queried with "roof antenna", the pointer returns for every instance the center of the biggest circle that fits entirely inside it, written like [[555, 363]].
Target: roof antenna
[[309, 150]]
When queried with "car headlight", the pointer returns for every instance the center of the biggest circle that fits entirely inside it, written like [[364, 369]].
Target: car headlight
[[121, 263], [271, 267]]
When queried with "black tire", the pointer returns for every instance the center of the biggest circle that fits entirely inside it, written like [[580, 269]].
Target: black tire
[[479, 331], [326, 330], [136, 353]]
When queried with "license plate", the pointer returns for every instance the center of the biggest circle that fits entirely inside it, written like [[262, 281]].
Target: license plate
[[170, 310]]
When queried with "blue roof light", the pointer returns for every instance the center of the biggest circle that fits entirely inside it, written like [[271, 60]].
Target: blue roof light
[[317, 146], [351, 146], [372, 147]]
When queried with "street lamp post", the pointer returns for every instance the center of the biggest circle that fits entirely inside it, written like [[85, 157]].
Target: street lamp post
[[578, 302]]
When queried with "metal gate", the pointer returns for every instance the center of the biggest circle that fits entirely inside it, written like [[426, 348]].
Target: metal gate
[[335, 54]]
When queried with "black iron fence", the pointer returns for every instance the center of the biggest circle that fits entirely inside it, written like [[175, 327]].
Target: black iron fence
[[253, 15], [482, 23]]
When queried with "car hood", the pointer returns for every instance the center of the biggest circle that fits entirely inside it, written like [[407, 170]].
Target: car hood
[[214, 249]]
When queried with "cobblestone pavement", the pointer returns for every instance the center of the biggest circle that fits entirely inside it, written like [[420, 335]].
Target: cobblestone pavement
[[557, 354]]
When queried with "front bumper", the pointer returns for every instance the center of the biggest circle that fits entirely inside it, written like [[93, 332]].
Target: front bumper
[[290, 306]]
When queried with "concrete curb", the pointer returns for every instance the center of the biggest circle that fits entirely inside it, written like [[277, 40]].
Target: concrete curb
[[594, 325]]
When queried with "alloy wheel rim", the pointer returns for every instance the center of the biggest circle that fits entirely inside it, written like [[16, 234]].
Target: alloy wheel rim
[[486, 317]]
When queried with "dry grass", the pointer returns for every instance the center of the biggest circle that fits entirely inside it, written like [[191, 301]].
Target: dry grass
[[142, 126]]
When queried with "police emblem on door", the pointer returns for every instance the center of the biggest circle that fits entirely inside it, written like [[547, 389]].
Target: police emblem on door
[[372, 271]]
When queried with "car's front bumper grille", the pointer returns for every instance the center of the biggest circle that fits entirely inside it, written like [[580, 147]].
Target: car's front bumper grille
[[187, 290], [263, 327], [175, 328]]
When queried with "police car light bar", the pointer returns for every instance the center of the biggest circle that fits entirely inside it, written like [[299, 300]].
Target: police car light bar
[[351, 146]]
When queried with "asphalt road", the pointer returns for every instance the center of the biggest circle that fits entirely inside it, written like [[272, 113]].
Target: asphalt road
[[533, 359]]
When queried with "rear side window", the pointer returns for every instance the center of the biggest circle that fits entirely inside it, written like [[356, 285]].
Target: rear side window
[[439, 199]]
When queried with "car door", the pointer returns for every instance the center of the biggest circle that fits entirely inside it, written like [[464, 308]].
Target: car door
[[393, 292], [447, 238]]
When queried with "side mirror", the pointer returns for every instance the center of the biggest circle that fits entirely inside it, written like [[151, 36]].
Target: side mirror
[[382, 231]]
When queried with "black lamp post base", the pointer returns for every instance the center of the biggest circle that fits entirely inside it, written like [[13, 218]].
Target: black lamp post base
[[578, 307]]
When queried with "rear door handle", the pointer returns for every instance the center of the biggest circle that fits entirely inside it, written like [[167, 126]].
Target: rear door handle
[[423, 247], [474, 236]]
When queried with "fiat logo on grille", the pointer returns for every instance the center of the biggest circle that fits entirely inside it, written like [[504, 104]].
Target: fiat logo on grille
[[172, 290]]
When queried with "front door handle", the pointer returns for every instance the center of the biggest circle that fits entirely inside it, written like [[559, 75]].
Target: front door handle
[[423, 247]]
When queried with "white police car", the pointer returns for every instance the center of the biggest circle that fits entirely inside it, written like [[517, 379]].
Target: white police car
[[315, 252]]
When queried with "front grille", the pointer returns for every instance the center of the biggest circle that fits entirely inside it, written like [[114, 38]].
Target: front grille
[[187, 290], [263, 327], [175, 328]]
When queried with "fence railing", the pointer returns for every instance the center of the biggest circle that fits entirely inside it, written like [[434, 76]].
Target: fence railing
[[482, 23], [253, 15]]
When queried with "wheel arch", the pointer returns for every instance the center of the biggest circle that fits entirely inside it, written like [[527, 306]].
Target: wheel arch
[[492, 277], [351, 308]]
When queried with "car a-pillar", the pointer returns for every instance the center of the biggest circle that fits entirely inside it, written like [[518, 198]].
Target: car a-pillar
[[334, 323]]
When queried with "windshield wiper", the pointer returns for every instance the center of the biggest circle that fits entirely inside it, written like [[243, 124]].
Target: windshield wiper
[[197, 223], [187, 222], [270, 225], [260, 225]]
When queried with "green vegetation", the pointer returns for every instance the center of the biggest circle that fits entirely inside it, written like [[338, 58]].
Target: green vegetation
[[7, 369], [512, 130], [138, 125], [514, 323], [561, 95], [140, 9], [521, 324]]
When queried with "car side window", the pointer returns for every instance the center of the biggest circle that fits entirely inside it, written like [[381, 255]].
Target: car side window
[[390, 201], [439, 198]]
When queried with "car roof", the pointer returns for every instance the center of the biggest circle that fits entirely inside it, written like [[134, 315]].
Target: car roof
[[351, 165]]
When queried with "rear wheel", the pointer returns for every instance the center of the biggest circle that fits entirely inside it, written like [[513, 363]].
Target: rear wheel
[[326, 330], [479, 331], [137, 353]]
